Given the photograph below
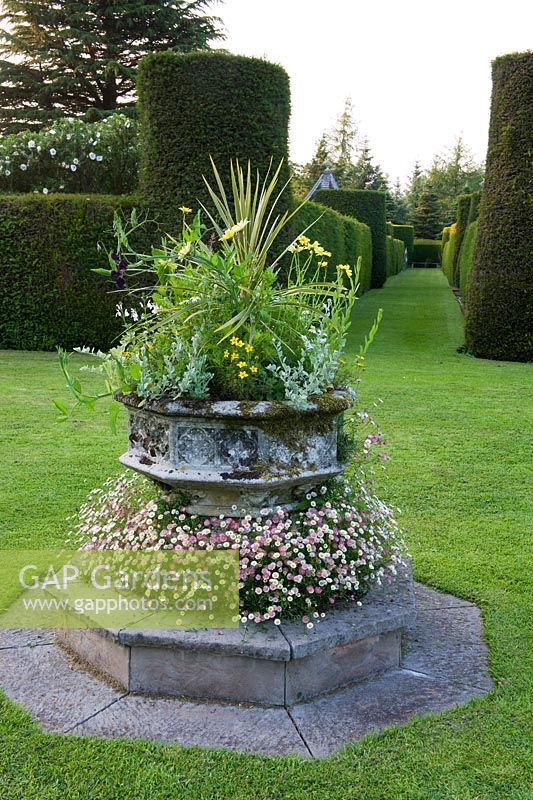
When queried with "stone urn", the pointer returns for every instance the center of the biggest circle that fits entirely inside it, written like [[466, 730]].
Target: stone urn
[[234, 458]]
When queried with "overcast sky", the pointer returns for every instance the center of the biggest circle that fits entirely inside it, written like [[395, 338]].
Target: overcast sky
[[417, 71]]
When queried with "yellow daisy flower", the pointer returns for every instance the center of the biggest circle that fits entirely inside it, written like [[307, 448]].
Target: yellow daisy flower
[[226, 353], [234, 356], [248, 348], [345, 268], [253, 369], [243, 374], [185, 210], [322, 263], [241, 364], [231, 232]]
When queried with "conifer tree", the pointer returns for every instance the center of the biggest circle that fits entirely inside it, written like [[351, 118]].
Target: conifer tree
[[367, 174], [427, 216], [397, 208], [414, 188], [69, 58], [314, 168]]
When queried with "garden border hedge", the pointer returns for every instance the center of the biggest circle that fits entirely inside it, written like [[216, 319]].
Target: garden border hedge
[[49, 295], [407, 234], [367, 206], [427, 251]]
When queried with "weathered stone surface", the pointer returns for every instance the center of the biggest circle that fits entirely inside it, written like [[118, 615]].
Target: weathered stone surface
[[431, 598], [44, 682], [265, 641], [448, 643], [250, 730], [341, 666], [102, 650], [235, 458], [390, 608], [329, 722], [25, 637], [248, 664], [208, 675], [64, 698]]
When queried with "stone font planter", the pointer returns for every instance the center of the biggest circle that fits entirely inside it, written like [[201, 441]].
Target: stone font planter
[[231, 457]]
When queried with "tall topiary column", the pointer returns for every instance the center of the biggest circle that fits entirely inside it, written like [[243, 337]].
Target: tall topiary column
[[500, 302], [193, 106]]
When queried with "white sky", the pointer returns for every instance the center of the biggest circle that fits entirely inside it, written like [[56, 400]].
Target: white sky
[[417, 71]]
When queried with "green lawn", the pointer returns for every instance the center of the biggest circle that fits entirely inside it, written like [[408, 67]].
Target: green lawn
[[458, 431]]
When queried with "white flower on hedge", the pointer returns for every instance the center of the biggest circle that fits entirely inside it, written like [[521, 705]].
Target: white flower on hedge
[[8, 172], [31, 144], [99, 158], [92, 156], [52, 151], [75, 161], [45, 190], [24, 167], [73, 167], [69, 137]]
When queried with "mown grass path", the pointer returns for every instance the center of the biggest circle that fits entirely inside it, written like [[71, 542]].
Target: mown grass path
[[459, 432]]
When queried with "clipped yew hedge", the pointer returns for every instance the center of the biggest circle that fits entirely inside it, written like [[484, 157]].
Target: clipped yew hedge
[[500, 292], [407, 235], [448, 251], [48, 246], [466, 259], [367, 206], [196, 105], [344, 237], [463, 211], [427, 251], [395, 260], [473, 213]]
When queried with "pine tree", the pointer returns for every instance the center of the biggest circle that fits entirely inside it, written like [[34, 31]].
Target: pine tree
[[312, 171], [69, 58], [343, 139], [397, 208], [452, 174], [414, 189], [367, 174], [427, 217]]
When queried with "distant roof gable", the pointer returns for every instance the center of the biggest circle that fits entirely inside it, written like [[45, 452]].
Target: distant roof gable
[[326, 181]]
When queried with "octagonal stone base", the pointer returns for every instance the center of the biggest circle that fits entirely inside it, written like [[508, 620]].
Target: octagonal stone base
[[444, 664], [264, 665]]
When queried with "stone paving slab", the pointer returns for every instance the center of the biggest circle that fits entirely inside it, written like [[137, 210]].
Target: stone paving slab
[[449, 644], [247, 729], [431, 598], [25, 637], [444, 665], [329, 722], [43, 681]]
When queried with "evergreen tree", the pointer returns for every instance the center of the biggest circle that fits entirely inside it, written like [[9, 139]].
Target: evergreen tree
[[427, 216], [397, 208], [311, 172], [414, 189], [452, 174], [343, 139], [367, 174], [69, 58]]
